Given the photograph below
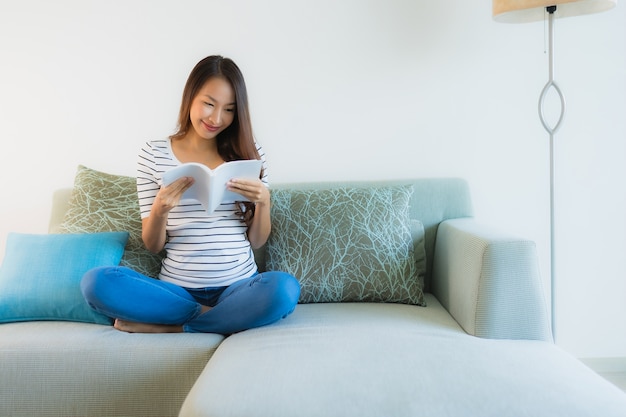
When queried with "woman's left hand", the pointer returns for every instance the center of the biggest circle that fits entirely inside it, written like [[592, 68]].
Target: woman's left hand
[[253, 190]]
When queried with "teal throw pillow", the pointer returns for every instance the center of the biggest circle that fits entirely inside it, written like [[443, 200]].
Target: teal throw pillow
[[40, 275]]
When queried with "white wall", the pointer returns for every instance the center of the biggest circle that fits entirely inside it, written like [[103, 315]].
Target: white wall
[[347, 89]]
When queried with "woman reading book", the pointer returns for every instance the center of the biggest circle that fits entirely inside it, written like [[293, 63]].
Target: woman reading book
[[209, 280]]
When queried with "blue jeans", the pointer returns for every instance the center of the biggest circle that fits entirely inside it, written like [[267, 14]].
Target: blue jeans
[[125, 294]]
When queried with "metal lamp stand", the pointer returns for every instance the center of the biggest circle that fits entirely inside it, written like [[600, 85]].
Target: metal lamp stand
[[551, 131]]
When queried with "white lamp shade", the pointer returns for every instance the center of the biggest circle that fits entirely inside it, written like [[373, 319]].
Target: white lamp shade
[[522, 11]]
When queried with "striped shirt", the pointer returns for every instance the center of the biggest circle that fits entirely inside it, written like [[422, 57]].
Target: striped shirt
[[203, 250]]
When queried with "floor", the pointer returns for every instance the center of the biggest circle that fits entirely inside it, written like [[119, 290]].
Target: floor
[[612, 369]]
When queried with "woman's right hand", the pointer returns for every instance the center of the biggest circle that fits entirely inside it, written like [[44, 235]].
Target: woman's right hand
[[153, 230], [169, 196]]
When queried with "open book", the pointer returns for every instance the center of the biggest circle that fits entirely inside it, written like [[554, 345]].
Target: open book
[[209, 187]]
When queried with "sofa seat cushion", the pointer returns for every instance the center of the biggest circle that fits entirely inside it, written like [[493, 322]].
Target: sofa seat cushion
[[392, 360], [81, 369]]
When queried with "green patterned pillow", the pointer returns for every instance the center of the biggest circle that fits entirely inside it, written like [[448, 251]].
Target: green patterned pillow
[[418, 235], [346, 244], [103, 202]]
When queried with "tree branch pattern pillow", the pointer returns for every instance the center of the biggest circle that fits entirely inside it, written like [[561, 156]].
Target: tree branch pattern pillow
[[346, 244], [102, 202]]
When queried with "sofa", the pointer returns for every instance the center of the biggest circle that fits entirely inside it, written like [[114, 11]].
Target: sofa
[[439, 317]]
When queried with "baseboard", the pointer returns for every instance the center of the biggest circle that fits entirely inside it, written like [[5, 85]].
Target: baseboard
[[606, 364]]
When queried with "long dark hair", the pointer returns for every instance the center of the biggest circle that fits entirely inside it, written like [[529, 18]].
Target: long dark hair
[[236, 141]]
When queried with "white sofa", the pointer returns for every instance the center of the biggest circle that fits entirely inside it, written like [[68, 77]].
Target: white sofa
[[480, 347]]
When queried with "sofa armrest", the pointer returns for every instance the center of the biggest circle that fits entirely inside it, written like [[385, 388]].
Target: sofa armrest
[[489, 283]]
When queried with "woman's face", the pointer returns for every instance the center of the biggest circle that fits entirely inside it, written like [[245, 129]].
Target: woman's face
[[213, 108]]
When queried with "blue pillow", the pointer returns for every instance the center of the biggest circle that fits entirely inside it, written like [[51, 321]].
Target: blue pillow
[[40, 275]]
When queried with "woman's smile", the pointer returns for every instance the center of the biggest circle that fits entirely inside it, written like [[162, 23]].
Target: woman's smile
[[210, 127]]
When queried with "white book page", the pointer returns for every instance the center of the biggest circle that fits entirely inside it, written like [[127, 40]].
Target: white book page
[[201, 174], [244, 169]]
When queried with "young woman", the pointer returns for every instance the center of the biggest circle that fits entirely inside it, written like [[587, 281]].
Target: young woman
[[209, 280]]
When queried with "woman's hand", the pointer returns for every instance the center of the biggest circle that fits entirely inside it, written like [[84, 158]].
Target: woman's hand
[[253, 190], [153, 230], [169, 196]]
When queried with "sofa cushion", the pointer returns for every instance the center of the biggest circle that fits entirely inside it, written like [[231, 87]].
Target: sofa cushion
[[102, 202], [40, 274], [346, 244], [371, 360], [79, 369]]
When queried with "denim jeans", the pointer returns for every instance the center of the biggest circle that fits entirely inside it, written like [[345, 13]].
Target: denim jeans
[[125, 294]]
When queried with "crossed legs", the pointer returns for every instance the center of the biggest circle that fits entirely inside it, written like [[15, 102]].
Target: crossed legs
[[146, 305]]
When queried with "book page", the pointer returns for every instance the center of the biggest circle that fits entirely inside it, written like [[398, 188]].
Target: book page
[[245, 169], [200, 189]]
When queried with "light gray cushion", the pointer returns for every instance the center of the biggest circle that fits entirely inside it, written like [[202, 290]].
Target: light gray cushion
[[346, 244], [372, 360], [102, 202], [78, 369]]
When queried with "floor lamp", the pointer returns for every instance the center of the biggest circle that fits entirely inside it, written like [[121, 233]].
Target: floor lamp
[[522, 11]]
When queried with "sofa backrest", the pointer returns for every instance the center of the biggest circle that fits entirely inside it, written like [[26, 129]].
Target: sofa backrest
[[60, 204], [433, 200]]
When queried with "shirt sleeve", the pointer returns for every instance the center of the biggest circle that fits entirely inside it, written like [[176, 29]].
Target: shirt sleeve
[[265, 177], [147, 185]]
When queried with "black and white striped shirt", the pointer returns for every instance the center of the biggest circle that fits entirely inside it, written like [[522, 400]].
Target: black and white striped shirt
[[203, 250]]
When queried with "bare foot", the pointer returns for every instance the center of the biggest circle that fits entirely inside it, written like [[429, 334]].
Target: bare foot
[[133, 327]]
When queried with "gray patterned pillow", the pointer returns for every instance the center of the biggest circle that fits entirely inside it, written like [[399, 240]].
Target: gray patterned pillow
[[103, 202], [418, 234], [346, 244]]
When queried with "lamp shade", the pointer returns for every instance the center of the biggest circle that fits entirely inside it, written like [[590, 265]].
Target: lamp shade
[[522, 11]]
